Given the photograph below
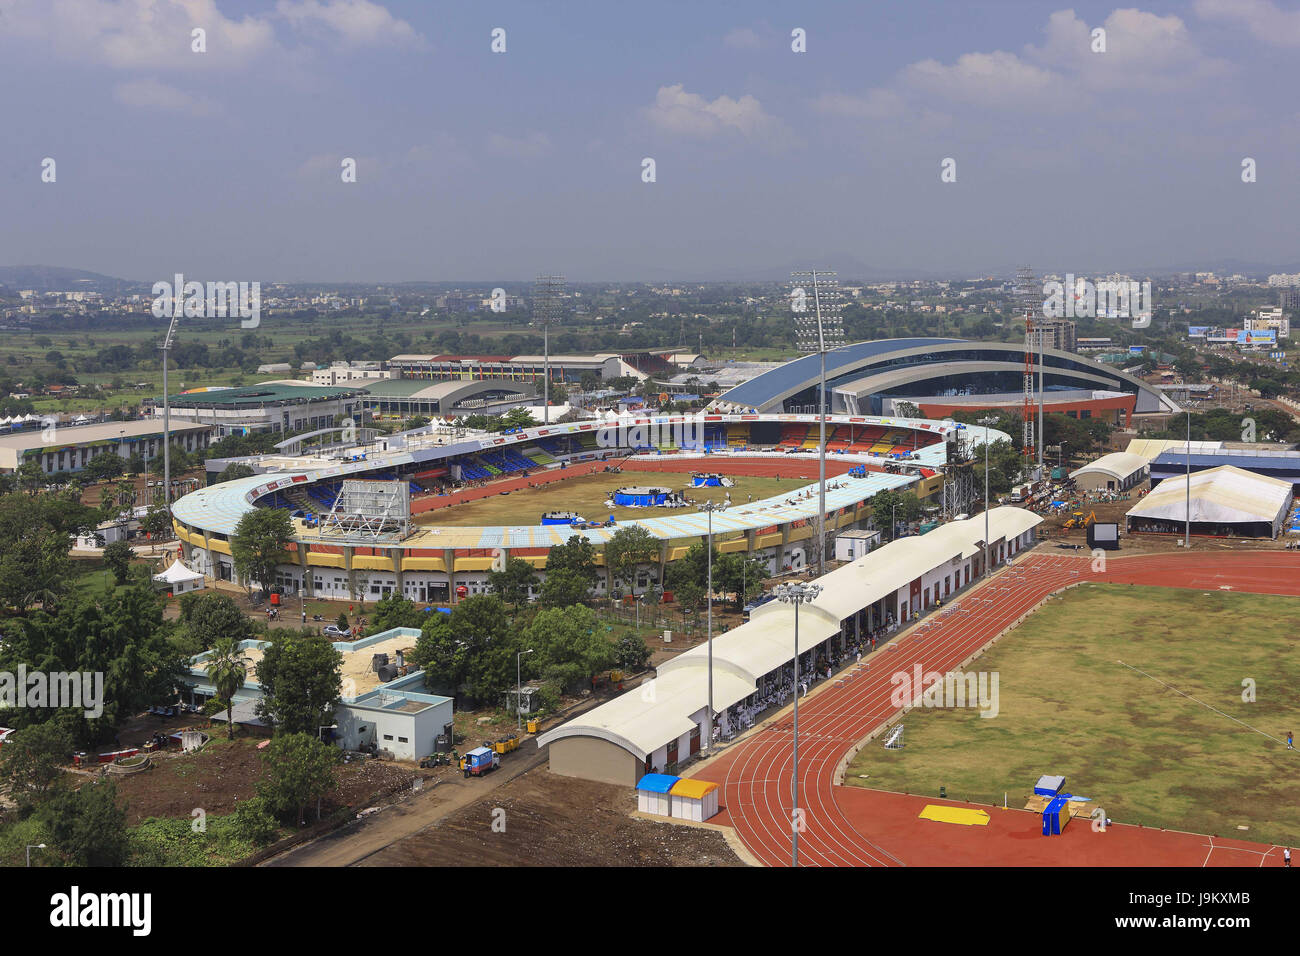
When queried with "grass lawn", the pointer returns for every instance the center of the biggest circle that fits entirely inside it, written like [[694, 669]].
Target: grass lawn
[[1142, 751], [586, 495]]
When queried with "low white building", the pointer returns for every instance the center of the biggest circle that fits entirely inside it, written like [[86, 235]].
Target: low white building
[[851, 545]]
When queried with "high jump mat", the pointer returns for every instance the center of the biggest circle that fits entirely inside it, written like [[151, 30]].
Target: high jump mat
[[963, 816]]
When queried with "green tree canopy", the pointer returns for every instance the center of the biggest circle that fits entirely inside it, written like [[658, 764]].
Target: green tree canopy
[[512, 582], [301, 676], [299, 771], [469, 653], [629, 547], [568, 646], [258, 544]]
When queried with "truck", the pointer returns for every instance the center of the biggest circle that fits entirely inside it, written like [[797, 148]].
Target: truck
[[479, 761]]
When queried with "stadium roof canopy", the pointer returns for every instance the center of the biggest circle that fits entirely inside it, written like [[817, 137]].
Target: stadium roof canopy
[[660, 710], [267, 393], [1119, 465], [1222, 495], [859, 375], [1150, 448]]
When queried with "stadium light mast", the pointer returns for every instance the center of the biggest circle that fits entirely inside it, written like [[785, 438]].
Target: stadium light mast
[[817, 331], [986, 421], [796, 593], [1187, 536], [708, 508], [547, 292], [166, 348], [1026, 303]]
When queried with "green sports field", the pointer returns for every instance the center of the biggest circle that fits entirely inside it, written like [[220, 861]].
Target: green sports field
[[1143, 751], [586, 495]]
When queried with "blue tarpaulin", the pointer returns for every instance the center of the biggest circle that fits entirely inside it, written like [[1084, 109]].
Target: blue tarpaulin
[[657, 782]]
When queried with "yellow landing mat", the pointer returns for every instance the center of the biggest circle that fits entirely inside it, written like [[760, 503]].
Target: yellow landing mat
[[961, 815]]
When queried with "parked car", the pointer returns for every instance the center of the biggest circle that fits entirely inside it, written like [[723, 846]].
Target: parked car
[[333, 630]]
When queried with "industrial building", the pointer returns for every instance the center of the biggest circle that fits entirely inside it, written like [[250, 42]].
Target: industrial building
[[405, 397], [395, 714], [61, 449], [1172, 462], [1225, 501], [278, 406], [661, 723]]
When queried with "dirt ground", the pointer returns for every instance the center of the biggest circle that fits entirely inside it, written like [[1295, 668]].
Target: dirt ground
[[223, 773], [557, 821]]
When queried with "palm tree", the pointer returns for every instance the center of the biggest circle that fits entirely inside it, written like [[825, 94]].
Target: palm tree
[[227, 668]]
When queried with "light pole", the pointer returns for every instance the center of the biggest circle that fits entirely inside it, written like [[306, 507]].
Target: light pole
[[519, 690], [1187, 537], [796, 593], [33, 846], [708, 508], [815, 337], [986, 422], [546, 293]]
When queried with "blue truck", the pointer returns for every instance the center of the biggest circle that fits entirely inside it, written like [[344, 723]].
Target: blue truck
[[479, 761]]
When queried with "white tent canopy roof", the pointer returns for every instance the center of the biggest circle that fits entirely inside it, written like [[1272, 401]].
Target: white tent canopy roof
[[1119, 465], [1223, 495], [178, 573], [660, 710]]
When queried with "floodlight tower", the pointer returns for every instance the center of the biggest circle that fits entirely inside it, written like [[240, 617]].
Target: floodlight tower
[[1026, 305], [816, 330], [166, 348], [547, 294]]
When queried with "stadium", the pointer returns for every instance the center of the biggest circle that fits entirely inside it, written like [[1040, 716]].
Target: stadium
[[940, 376], [380, 515]]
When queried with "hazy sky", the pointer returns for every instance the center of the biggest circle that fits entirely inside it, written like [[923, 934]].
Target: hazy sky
[[490, 166]]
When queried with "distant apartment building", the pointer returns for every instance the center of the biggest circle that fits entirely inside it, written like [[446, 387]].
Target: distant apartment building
[[343, 373], [1057, 333], [1285, 280], [1094, 344], [1264, 319], [1289, 299]]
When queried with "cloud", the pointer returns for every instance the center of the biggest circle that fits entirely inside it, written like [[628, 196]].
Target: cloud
[[992, 79], [155, 95], [743, 38], [138, 34], [1274, 27], [353, 22], [1143, 52], [533, 146], [681, 113]]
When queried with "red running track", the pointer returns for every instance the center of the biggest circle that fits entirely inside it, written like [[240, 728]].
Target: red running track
[[852, 826]]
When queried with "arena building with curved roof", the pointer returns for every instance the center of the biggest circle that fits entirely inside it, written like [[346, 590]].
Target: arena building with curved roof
[[437, 563], [940, 375]]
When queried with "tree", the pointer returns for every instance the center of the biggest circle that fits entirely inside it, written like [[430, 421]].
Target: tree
[[32, 761], [120, 635], [393, 610], [563, 589], [741, 574], [513, 581], [301, 676], [87, 826], [209, 617], [236, 469], [157, 521], [568, 649], [469, 653], [631, 653], [893, 505], [258, 544], [104, 466], [907, 410], [34, 563], [227, 669], [628, 548], [299, 769], [687, 578], [117, 556]]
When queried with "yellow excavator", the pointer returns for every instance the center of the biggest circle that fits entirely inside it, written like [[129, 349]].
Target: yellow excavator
[[1079, 520]]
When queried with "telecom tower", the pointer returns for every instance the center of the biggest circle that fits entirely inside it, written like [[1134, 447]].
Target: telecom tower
[[1027, 301]]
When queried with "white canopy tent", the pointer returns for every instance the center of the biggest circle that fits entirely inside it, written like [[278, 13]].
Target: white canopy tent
[[1223, 499], [179, 579]]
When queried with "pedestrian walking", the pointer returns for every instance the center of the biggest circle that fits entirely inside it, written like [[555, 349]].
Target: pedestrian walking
[[1286, 858], [1290, 741]]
